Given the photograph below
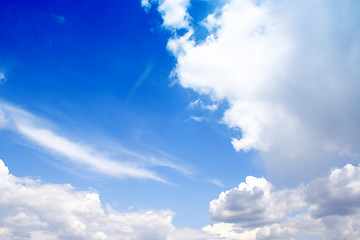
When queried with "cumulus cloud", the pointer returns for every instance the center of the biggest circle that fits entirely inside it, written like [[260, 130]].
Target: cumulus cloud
[[338, 195], [84, 155], [289, 71], [173, 12], [325, 208], [253, 204], [32, 209]]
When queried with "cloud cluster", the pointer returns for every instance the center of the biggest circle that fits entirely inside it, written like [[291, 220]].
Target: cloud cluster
[[35, 210], [325, 208], [36, 130], [289, 71]]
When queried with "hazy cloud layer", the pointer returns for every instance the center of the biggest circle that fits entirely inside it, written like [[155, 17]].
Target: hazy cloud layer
[[325, 208], [289, 70]]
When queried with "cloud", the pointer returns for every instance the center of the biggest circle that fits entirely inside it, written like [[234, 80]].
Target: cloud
[[32, 209], [253, 204], [337, 195], [60, 19], [140, 80], [38, 131], [146, 5], [173, 12], [216, 182], [2, 78], [289, 71], [197, 118], [325, 208], [200, 103]]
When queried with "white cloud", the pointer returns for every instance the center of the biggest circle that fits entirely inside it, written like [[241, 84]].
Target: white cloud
[[173, 12], [32, 209], [84, 155], [146, 4], [325, 208], [2, 78], [339, 194], [289, 70], [197, 118], [253, 204], [200, 103], [216, 182]]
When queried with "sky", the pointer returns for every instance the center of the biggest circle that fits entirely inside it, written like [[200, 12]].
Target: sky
[[180, 119]]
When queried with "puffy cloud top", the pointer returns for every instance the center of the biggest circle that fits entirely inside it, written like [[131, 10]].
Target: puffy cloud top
[[253, 204], [289, 70], [35, 210], [325, 208], [339, 194]]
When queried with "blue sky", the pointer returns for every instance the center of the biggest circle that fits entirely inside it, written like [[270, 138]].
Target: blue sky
[[102, 78], [159, 109]]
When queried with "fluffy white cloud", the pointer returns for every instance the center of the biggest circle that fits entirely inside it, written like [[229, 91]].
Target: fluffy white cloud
[[84, 155], [289, 70], [325, 208], [253, 204], [339, 194], [173, 12], [31, 209]]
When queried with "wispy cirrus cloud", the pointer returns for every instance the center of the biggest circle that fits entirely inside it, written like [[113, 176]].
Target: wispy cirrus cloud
[[41, 134], [200, 103], [216, 182], [197, 118], [2, 78]]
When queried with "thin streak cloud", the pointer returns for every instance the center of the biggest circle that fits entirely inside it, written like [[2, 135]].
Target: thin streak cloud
[[35, 130]]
